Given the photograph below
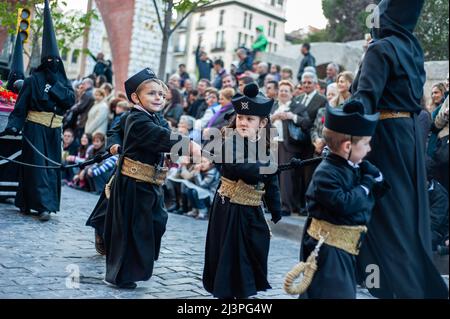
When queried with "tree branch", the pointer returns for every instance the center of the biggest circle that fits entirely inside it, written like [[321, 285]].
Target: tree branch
[[187, 14], [158, 15]]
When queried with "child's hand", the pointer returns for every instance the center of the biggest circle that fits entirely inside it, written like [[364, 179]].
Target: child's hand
[[89, 172], [70, 158], [369, 168]]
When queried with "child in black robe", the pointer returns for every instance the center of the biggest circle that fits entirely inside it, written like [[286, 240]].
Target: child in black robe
[[340, 199], [238, 238], [135, 218]]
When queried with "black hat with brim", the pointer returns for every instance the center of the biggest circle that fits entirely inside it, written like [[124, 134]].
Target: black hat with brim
[[351, 120], [133, 82], [252, 102]]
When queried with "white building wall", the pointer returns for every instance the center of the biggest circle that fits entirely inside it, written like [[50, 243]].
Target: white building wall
[[233, 24], [147, 38]]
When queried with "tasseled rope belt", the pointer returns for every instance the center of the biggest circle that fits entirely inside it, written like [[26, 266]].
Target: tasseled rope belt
[[347, 238]]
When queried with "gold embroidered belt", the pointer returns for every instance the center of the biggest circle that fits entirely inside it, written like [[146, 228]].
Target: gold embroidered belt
[[386, 114], [48, 119], [348, 238], [143, 172], [240, 193]]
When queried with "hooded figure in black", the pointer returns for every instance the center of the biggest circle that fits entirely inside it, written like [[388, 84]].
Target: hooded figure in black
[[43, 100], [16, 71], [391, 79], [238, 238]]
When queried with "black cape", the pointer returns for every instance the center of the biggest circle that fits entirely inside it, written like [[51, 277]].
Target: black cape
[[136, 219], [40, 189], [238, 237]]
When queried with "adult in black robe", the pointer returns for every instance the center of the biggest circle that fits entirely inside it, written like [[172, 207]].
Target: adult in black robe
[[46, 90], [391, 77], [135, 218]]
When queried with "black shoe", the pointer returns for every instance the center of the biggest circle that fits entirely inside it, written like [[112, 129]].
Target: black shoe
[[24, 211], [44, 216], [99, 244], [128, 285]]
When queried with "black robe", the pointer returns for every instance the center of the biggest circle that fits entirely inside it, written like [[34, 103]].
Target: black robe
[[40, 189], [238, 237], [113, 136], [135, 218], [335, 195], [399, 240]]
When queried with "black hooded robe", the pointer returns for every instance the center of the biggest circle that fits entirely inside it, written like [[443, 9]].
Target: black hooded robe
[[135, 218], [238, 237], [391, 77], [40, 189]]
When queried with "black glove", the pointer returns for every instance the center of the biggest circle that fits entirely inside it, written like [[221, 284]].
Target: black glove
[[369, 168], [51, 78], [10, 131], [368, 181], [276, 217]]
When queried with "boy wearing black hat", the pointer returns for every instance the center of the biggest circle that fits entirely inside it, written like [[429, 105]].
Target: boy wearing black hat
[[340, 199], [238, 238], [135, 217]]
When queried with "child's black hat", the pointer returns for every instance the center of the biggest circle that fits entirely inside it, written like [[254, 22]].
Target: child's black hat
[[253, 102], [133, 82], [351, 120]]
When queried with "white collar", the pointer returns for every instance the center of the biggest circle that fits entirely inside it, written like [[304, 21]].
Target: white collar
[[353, 164], [140, 108], [311, 95]]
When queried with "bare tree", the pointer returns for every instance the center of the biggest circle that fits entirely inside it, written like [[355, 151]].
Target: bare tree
[[183, 7]]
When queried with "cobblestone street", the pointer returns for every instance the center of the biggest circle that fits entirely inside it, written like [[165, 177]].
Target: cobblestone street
[[38, 260]]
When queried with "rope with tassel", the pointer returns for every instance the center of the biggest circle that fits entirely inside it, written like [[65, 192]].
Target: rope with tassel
[[307, 269]]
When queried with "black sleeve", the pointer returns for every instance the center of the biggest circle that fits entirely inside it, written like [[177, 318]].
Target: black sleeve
[[373, 76], [153, 137], [330, 193], [19, 114], [115, 134], [272, 196], [64, 94]]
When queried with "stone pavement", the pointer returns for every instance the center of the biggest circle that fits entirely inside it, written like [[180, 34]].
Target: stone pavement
[[44, 260]]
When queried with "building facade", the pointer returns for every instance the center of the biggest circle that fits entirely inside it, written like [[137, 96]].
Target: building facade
[[226, 25]]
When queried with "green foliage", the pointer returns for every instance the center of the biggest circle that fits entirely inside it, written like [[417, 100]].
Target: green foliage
[[69, 26], [346, 19], [432, 29], [187, 5]]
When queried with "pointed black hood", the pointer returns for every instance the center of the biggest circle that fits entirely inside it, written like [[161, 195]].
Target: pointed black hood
[[397, 21], [49, 44], [404, 13], [17, 71]]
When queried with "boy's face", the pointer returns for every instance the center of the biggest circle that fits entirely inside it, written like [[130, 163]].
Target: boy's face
[[152, 96], [360, 149]]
